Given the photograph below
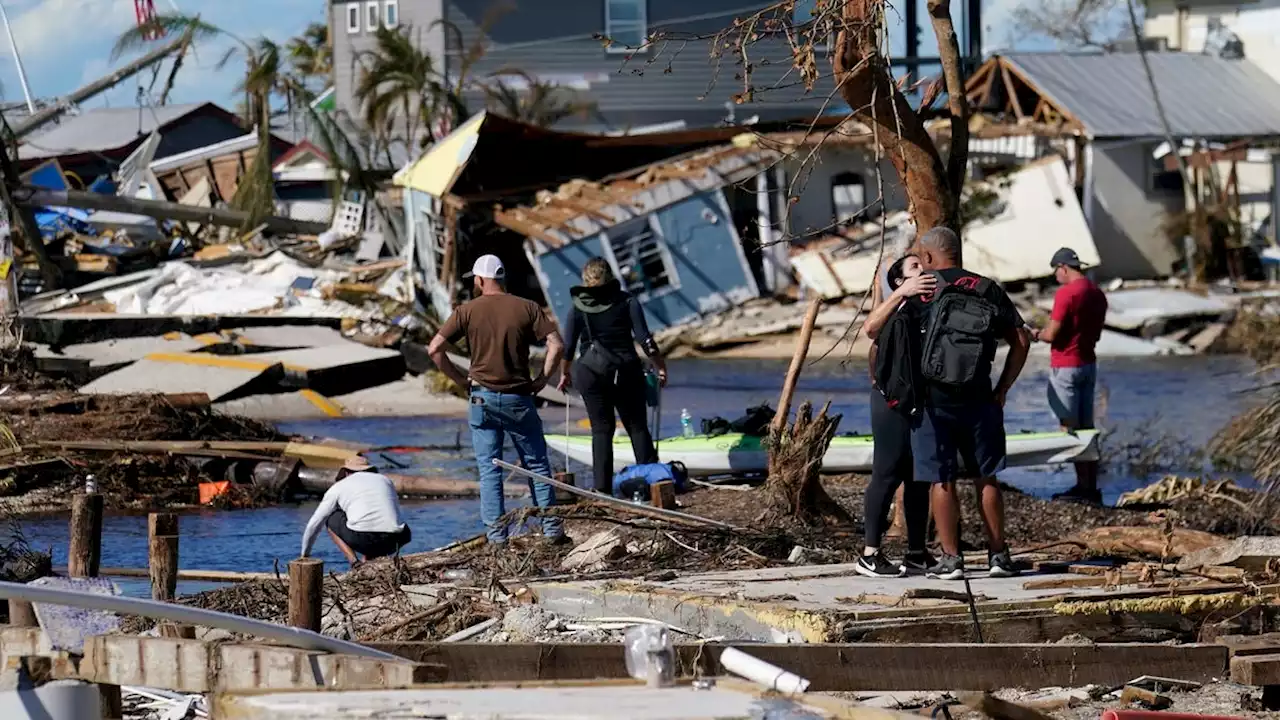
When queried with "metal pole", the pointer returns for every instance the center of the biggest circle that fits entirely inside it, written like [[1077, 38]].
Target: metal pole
[[17, 60], [292, 637]]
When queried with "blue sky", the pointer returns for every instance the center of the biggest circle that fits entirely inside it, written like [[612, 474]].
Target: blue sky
[[65, 43]]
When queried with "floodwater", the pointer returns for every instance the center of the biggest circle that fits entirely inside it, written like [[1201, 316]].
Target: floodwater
[[1181, 400]]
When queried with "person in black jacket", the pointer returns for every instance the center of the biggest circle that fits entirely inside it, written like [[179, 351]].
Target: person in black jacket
[[891, 464], [608, 373]]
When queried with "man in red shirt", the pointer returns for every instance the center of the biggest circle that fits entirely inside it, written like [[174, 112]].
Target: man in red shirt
[[1079, 310]]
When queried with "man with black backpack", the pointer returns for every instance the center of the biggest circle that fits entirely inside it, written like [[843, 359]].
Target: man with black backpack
[[960, 429]]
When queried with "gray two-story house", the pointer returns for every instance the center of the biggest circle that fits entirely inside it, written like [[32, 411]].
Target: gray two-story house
[[672, 81]]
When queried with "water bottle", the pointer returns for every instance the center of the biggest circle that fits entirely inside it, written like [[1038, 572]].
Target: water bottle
[[686, 423]]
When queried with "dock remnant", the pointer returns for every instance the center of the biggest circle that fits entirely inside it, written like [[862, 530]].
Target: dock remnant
[[162, 556], [306, 578], [86, 536]]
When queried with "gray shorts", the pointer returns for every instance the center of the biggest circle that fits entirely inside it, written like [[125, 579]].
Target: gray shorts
[[1071, 395]]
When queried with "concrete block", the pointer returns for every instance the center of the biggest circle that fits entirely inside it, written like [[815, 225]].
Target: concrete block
[[16, 642], [197, 667], [169, 663], [220, 378]]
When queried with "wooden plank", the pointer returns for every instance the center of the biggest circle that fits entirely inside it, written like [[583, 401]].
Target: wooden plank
[[1264, 644], [1257, 670], [1013, 96], [842, 667]]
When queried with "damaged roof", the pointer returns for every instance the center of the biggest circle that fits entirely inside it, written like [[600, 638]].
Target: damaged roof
[[101, 130], [583, 208], [1203, 95]]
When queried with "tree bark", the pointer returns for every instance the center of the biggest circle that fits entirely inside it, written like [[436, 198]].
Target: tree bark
[[957, 100], [795, 463], [866, 84]]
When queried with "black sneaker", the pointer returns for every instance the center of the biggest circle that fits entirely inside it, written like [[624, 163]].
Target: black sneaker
[[918, 562], [948, 567], [878, 566], [1000, 565], [1078, 494]]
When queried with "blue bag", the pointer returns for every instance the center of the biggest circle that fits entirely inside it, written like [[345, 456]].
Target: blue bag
[[638, 478]]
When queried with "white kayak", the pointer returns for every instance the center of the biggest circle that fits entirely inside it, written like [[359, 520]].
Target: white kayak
[[735, 454]]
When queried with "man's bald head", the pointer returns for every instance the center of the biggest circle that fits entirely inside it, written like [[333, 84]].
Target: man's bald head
[[939, 249]]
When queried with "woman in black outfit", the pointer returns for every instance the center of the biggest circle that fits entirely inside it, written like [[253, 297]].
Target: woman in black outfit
[[891, 464], [608, 373]]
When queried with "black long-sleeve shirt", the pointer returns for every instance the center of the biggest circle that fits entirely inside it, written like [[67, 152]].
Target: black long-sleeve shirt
[[608, 317]]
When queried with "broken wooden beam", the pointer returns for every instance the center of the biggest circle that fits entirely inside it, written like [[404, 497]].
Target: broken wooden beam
[[34, 197], [841, 667]]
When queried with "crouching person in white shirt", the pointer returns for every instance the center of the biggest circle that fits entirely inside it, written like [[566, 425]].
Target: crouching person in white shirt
[[361, 513]]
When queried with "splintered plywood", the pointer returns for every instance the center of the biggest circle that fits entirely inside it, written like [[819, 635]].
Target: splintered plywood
[[217, 377]]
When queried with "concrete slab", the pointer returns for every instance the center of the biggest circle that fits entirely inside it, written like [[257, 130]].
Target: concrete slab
[[286, 336], [337, 369], [613, 701], [792, 604], [220, 378], [88, 361]]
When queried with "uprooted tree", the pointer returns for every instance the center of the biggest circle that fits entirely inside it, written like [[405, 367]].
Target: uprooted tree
[[862, 75]]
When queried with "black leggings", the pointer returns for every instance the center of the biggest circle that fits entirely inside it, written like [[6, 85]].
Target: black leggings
[[624, 392], [890, 467]]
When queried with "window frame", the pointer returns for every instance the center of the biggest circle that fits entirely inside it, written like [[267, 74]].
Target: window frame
[[354, 7], [1155, 167], [390, 8], [372, 15], [620, 48], [664, 251], [836, 182]]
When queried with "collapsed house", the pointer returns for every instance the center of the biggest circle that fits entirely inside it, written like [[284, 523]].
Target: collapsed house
[[1097, 112]]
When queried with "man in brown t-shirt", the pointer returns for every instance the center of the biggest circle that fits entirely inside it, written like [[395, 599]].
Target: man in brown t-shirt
[[499, 329]]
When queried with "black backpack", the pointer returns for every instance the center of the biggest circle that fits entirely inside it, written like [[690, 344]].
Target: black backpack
[[897, 367], [960, 333]]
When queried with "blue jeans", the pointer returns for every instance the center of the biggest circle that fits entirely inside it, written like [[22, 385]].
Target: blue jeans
[[494, 416]]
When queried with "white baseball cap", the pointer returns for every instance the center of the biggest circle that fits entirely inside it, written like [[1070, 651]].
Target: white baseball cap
[[488, 266]]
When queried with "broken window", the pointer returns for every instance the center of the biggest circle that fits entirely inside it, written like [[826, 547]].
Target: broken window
[[1159, 177], [626, 24], [353, 18], [848, 196], [641, 258], [392, 14], [373, 16]]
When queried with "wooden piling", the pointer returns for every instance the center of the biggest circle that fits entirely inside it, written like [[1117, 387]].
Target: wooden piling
[[22, 614], [162, 556], [564, 497], [306, 579], [663, 495], [86, 536]]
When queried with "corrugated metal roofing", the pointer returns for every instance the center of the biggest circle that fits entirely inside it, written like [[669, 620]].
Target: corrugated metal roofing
[[100, 130], [1203, 95]]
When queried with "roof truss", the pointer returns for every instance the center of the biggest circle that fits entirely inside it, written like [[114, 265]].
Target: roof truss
[[999, 89]]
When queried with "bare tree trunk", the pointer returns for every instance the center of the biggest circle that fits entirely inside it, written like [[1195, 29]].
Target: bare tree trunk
[[795, 463], [957, 100], [866, 84]]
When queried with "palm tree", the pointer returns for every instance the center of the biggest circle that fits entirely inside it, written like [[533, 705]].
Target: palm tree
[[311, 54], [264, 79], [542, 104], [400, 85]]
